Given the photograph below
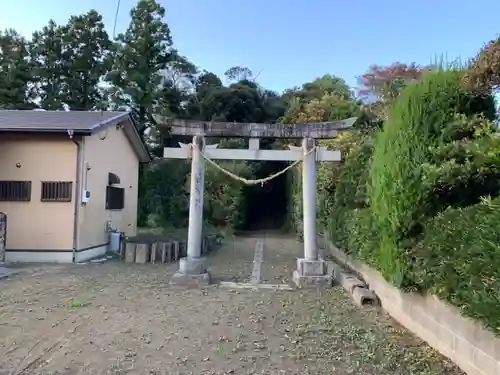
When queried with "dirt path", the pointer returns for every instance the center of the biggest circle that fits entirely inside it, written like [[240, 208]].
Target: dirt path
[[116, 318]]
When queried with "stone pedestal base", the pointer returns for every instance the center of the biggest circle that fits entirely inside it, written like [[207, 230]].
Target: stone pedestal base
[[312, 274], [4, 272], [192, 272], [183, 279]]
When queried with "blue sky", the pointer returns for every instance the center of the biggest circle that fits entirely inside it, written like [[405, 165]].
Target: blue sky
[[296, 41]]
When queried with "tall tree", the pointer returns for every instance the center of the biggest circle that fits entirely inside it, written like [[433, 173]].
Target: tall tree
[[202, 104], [49, 58], [87, 45], [15, 68], [140, 56], [381, 85], [385, 83], [484, 69], [327, 84], [238, 73], [176, 87]]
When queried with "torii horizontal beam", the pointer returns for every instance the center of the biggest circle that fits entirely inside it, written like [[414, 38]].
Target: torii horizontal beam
[[212, 152], [321, 130]]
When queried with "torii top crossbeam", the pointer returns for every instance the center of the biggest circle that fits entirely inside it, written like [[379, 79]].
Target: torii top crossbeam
[[321, 130]]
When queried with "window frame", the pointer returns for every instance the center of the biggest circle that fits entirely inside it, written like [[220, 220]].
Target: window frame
[[67, 187], [110, 204], [17, 185]]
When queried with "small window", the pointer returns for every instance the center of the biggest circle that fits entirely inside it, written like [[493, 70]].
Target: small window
[[15, 191], [115, 198], [57, 191]]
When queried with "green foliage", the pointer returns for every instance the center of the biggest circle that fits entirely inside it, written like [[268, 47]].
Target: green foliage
[[69, 62], [409, 201], [47, 53], [163, 197], [418, 123], [85, 36], [458, 259], [15, 69], [350, 192], [224, 202], [296, 212], [362, 235]]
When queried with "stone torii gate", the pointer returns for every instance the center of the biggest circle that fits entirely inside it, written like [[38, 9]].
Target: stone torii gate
[[311, 270]]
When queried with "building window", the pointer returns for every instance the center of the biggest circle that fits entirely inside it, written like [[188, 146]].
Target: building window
[[115, 198], [15, 191], [57, 191]]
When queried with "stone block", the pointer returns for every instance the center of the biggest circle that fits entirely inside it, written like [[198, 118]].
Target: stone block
[[155, 249], [130, 252], [175, 250], [182, 249], [4, 272], [363, 296], [192, 266], [166, 252], [212, 242], [142, 253], [307, 267], [312, 281], [350, 282]]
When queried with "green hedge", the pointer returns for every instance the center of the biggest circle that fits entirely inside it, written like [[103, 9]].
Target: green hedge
[[400, 197], [459, 257], [350, 192], [409, 201]]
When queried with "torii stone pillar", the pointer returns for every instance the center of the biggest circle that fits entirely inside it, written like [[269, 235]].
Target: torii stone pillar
[[311, 271], [192, 268]]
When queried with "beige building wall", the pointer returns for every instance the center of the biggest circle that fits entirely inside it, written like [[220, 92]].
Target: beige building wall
[[37, 225], [104, 152]]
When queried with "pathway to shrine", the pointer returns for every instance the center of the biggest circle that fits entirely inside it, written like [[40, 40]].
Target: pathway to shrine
[[117, 318]]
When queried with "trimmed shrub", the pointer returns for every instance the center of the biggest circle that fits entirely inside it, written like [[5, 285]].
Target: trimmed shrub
[[400, 199], [458, 259], [350, 192], [361, 235], [329, 174]]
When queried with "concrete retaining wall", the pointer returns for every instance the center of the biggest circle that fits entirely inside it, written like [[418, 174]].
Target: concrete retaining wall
[[464, 341]]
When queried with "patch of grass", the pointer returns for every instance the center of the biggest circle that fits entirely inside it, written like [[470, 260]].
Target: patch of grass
[[76, 304]]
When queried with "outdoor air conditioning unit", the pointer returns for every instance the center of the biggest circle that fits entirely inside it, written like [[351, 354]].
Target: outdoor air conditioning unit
[[86, 196]]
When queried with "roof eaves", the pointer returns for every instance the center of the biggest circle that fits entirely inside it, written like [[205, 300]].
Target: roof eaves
[[109, 122], [45, 130]]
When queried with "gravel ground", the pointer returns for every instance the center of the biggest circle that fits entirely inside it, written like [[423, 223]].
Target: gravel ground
[[116, 318]]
